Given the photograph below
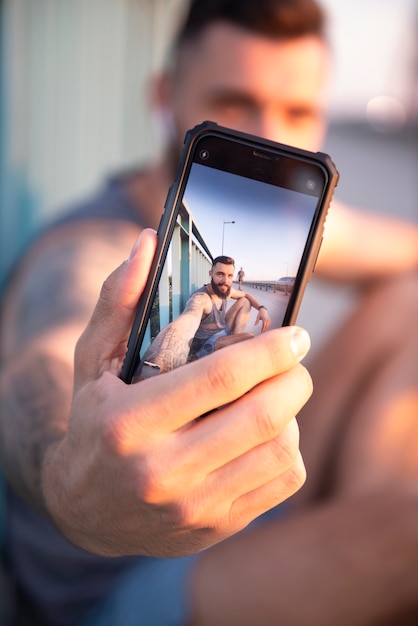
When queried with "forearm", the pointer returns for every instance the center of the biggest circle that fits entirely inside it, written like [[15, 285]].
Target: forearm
[[361, 246], [36, 395], [263, 315], [349, 562], [168, 350], [171, 346], [38, 336], [253, 301]]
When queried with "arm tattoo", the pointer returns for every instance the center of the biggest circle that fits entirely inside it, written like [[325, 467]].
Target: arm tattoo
[[169, 349], [60, 281], [54, 289], [36, 399], [171, 346], [198, 304]]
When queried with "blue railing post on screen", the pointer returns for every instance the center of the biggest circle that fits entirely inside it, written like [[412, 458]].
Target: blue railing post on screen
[[187, 268], [186, 259]]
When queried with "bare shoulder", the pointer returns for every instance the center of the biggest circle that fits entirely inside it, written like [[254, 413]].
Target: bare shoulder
[[198, 303], [59, 279]]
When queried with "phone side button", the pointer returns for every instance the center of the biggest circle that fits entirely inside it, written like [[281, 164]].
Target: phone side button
[[160, 222], [316, 258], [168, 196]]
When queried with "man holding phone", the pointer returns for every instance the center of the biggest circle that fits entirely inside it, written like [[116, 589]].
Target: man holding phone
[[126, 470], [220, 332], [205, 324]]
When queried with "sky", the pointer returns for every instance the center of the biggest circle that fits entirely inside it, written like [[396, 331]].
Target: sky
[[263, 227], [373, 46]]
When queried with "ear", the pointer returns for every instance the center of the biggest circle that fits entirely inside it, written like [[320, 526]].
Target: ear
[[160, 91]]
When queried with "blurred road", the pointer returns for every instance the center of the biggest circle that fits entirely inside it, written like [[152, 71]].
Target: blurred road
[[276, 303]]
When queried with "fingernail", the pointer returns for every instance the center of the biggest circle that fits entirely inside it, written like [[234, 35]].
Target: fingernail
[[300, 343]]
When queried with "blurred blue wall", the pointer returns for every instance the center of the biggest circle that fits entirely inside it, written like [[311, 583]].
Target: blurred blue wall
[[73, 103]]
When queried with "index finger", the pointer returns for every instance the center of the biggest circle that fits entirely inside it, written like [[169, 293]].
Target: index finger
[[217, 379]]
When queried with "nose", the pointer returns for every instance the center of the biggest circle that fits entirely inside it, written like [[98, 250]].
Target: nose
[[278, 125], [270, 125]]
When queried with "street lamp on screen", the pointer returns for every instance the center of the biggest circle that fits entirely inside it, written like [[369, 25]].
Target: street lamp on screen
[[223, 233]]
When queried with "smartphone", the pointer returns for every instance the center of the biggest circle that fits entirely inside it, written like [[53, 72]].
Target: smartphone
[[259, 203]]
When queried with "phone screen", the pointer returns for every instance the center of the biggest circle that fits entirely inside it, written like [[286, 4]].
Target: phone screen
[[262, 208]]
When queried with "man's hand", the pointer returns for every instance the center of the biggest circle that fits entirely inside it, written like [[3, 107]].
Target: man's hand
[[264, 318], [137, 472]]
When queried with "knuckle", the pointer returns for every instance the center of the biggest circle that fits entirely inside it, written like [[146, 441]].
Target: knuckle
[[107, 291], [114, 435], [122, 432], [222, 377], [295, 477], [266, 424], [152, 487], [274, 413], [156, 484], [307, 380], [107, 286], [141, 466], [184, 514], [285, 446], [79, 348], [298, 387]]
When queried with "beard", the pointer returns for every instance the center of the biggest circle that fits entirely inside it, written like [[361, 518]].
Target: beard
[[224, 294]]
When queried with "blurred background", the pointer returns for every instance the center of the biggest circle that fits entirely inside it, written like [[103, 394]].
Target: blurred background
[[74, 109]]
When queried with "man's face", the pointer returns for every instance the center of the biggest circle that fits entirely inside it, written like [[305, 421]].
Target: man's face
[[221, 279], [275, 89]]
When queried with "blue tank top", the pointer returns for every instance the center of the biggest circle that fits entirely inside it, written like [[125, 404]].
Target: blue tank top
[[58, 582]]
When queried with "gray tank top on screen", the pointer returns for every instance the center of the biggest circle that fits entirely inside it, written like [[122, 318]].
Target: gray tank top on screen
[[211, 324]]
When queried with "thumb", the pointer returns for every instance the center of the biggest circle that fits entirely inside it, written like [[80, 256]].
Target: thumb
[[102, 345]]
